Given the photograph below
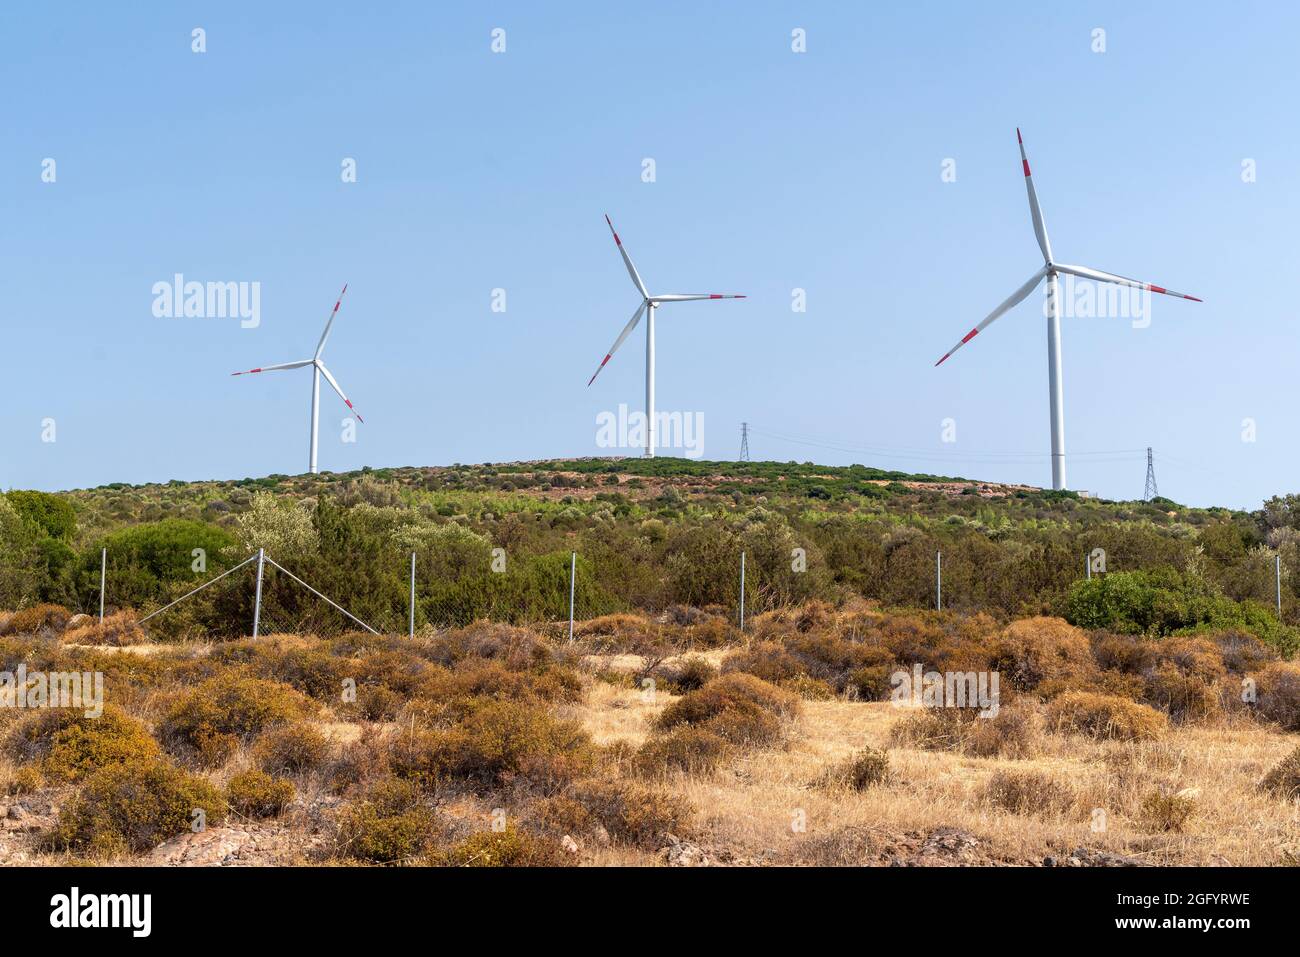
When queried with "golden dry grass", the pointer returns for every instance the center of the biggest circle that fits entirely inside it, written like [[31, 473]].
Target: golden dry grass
[[751, 809]]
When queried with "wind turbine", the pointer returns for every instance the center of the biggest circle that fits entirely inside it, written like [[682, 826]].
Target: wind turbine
[[318, 370], [1050, 269], [648, 304]]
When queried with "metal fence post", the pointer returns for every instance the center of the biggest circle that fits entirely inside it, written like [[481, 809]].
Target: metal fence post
[[103, 574], [938, 581], [742, 591], [257, 600], [412, 629], [1277, 568], [573, 580]]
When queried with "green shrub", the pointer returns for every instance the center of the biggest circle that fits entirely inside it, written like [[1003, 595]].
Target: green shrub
[[388, 825], [69, 746], [213, 718], [256, 794], [147, 558], [1164, 601], [133, 807], [291, 749], [52, 514], [507, 848]]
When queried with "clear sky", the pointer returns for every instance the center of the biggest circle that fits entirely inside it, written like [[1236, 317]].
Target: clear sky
[[774, 171]]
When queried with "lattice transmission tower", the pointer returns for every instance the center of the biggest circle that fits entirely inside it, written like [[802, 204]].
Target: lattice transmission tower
[[744, 442], [1151, 491]]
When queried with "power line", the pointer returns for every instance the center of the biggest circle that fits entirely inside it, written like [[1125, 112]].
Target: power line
[[954, 456]]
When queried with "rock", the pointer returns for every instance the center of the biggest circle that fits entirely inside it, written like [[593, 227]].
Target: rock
[[215, 845], [16, 812], [1090, 857], [950, 842], [569, 844], [679, 853]]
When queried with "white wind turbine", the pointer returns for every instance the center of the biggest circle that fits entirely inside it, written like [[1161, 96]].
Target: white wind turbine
[[318, 370], [1050, 269], [648, 304]]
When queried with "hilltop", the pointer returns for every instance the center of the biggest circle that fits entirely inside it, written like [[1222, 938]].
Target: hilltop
[[655, 533]]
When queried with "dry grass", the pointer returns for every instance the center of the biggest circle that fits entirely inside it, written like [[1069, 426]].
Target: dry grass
[[748, 810]]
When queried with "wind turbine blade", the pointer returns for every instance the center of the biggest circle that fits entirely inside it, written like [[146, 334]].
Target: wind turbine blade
[[320, 346], [691, 296], [282, 365], [1014, 299], [627, 260], [1040, 231], [1085, 273], [330, 379], [627, 330]]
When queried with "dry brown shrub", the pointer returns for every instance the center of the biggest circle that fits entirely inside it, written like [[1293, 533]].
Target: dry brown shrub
[[42, 620], [633, 813], [930, 729], [737, 707], [68, 746], [1014, 732], [210, 720], [1184, 696], [1165, 810], [687, 748], [1283, 779], [1242, 652], [1277, 690], [118, 629], [768, 660], [1105, 716], [1028, 792], [359, 763], [1033, 650], [388, 824], [496, 742], [866, 769], [1130, 654]]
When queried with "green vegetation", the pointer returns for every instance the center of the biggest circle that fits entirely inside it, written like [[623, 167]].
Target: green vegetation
[[493, 541]]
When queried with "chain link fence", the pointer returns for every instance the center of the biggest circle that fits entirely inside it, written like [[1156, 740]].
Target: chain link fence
[[546, 592]]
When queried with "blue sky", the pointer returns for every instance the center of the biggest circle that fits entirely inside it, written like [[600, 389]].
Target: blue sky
[[774, 170]]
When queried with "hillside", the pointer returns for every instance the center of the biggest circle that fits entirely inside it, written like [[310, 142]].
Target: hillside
[[651, 534], [1153, 725]]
